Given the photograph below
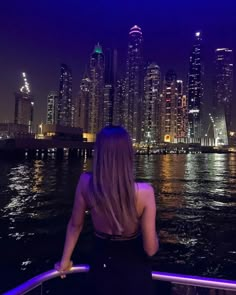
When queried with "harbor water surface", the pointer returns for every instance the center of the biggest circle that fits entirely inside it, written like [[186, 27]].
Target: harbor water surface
[[196, 214]]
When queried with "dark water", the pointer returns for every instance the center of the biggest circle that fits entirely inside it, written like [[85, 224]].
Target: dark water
[[196, 200]]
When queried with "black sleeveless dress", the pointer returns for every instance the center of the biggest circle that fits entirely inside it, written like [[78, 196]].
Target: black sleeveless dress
[[120, 266]]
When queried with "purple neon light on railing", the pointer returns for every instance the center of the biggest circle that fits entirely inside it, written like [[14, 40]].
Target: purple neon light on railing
[[172, 278], [38, 280], [135, 31], [210, 283]]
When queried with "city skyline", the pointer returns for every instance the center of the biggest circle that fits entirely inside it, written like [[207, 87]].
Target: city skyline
[[152, 112], [170, 115], [213, 36]]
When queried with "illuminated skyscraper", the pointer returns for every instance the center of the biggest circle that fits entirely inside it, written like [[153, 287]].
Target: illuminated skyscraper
[[52, 107], [134, 84], [169, 108], [110, 85], [224, 83], [108, 105], [119, 103], [82, 104], [195, 91], [96, 105], [181, 113], [24, 105], [151, 105], [219, 126], [64, 112]]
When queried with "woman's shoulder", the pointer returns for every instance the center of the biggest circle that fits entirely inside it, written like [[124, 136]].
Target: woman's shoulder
[[143, 187], [85, 176], [83, 182], [144, 192]]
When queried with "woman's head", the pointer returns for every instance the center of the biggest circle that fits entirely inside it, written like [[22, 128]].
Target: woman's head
[[112, 183], [113, 149]]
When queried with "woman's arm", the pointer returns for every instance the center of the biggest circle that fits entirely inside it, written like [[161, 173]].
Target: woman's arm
[[74, 226], [148, 220]]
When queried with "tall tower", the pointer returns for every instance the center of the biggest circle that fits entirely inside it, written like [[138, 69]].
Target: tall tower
[[96, 106], [119, 103], [82, 104], [24, 105], [64, 112], [169, 106], [224, 83], [151, 105], [110, 85], [52, 107], [195, 90], [181, 113], [134, 84]]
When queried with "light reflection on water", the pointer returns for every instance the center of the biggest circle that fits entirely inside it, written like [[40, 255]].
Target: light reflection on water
[[196, 201], [196, 198]]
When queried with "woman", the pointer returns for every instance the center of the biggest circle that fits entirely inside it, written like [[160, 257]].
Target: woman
[[124, 218]]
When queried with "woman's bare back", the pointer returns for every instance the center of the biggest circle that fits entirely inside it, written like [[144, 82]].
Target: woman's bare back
[[146, 210]]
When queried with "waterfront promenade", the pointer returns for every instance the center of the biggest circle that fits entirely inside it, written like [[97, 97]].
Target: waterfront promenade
[[30, 147], [19, 147]]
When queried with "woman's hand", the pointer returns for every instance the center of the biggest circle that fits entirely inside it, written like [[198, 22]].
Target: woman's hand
[[62, 267]]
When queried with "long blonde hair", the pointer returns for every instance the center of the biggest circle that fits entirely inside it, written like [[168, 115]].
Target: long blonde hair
[[112, 186]]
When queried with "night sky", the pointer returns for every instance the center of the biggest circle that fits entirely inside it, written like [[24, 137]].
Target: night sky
[[37, 36]]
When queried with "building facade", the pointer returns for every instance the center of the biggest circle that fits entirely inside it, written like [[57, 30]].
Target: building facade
[[24, 106], [134, 84], [65, 108], [151, 105], [219, 123], [181, 113], [82, 104], [224, 84], [108, 105], [96, 104], [12, 130], [169, 108], [110, 85], [52, 103], [119, 103], [195, 91]]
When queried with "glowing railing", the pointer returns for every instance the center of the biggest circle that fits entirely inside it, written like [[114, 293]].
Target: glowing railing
[[168, 277]]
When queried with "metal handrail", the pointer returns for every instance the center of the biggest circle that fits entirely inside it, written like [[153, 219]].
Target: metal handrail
[[46, 276], [168, 277], [195, 281]]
